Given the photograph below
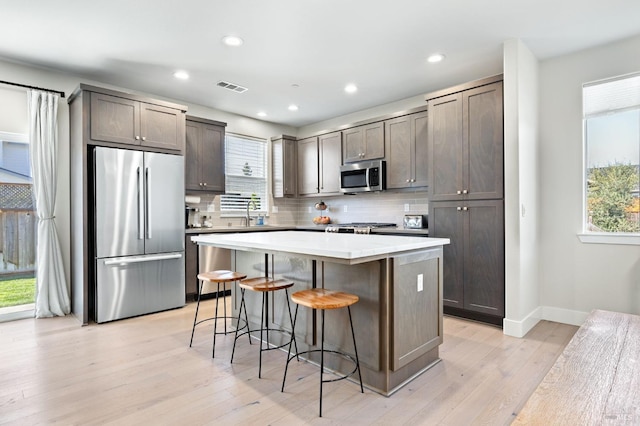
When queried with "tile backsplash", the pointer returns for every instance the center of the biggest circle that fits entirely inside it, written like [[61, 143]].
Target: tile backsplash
[[376, 207]]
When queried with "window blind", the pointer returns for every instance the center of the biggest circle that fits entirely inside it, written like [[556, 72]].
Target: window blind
[[245, 176], [613, 95]]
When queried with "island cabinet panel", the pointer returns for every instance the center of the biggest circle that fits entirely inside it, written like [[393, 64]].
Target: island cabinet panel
[[204, 155], [406, 151], [121, 120], [416, 294], [363, 142]]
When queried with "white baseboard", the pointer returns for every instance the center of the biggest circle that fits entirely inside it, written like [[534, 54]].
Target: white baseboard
[[522, 327], [564, 316], [548, 313]]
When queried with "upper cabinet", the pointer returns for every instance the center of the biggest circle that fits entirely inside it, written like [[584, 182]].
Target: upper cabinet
[[285, 166], [132, 121], [465, 149], [319, 161], [363, 142], [204, 155], [406, 151]]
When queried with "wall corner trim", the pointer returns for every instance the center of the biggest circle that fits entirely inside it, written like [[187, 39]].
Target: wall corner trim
[[522, 327]]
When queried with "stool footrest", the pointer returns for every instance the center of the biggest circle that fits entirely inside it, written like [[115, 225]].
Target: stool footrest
[[221, 319], [269, 347], [344, 355]]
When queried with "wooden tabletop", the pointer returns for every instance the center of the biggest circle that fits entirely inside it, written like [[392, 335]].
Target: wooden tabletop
[[596, 380]]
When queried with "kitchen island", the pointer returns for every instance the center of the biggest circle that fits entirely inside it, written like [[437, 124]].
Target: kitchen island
[[398, 320]]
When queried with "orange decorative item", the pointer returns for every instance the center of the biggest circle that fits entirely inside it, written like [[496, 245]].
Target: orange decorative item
[[321, 220]]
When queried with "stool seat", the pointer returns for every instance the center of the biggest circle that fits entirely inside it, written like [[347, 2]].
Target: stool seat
[[265, 284], [221, 276], [320, 298]]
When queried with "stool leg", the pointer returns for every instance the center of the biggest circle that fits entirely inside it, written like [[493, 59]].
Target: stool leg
[[321, 358], [293, 328], [355, 349], [289, 357], [195, 318], [233, 351], [262, 326], [215, 324]]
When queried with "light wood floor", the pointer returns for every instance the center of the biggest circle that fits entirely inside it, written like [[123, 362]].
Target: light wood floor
[[142, 371]]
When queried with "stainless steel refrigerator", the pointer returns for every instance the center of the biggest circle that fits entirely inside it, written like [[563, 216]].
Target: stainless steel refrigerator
[[139, 232]]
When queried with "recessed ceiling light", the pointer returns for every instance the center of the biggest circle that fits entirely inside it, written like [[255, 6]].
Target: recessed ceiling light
[[351, 88], [293, 107], [436, 57], [181, 75], [232, 40], [262, 114]]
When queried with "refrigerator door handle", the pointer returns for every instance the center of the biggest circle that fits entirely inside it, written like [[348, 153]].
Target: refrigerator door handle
[[139, 259], [148, 201], [140, 207]]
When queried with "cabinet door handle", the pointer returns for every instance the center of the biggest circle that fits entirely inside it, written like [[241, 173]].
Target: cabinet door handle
[[465, 209], [458, 192], [459, 208], [465, 191], [137, 138], [204, 184], [144, 138]]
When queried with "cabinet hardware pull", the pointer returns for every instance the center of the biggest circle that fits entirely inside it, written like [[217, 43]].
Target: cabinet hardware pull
[[204, 184], [459, 192], [465, 191], [465, 209], [458, 208], [137, 138], [144, 138]]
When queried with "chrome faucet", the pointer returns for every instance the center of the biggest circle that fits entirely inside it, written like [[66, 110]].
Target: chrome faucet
[[248, 218]]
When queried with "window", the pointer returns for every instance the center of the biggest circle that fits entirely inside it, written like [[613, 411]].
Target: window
[[612, 155], [245, 176]]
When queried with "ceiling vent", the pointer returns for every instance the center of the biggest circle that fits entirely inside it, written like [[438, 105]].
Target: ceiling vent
[[233, 87]]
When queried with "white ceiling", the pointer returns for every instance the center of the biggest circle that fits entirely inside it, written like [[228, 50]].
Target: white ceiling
[[319, 45]]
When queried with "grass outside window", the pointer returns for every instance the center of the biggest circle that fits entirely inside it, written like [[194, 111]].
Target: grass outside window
[[16, 291]]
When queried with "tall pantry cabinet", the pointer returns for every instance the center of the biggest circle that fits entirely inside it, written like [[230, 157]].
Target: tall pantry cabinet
[[466, 190]]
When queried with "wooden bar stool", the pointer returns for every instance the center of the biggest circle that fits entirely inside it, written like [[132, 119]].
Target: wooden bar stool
[[217, 277], [322, 299], [265, 286]]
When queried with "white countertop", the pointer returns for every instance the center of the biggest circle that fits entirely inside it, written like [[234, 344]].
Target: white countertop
[[345, 247]]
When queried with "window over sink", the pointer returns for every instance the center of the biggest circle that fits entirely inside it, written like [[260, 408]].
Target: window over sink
[[245, 176]]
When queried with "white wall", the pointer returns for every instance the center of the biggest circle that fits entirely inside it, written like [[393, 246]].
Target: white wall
[[576, 277], [521, 188], [12, 116]]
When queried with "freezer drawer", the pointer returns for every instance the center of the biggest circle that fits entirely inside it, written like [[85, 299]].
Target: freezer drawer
[[137, 285]]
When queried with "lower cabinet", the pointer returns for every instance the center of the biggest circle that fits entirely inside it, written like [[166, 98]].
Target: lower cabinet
[[474, 260]]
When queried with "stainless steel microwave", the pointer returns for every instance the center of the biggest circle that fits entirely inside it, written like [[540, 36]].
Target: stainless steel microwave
[[363, 176]]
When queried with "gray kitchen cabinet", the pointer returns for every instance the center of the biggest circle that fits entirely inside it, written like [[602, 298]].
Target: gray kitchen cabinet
[[285, 166], [308, 166], [465, 149], [319, 161], [330, 158], [133, 122], [406, 151], [190, 268], [474, 266], [204, 155], [363, 142]]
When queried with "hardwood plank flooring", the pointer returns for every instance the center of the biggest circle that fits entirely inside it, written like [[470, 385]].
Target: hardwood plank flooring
[[142, 371]]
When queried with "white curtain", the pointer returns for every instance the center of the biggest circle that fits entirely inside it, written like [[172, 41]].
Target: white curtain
[[52, 292]]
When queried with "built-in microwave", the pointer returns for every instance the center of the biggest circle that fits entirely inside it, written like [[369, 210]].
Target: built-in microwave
[[363, 176]]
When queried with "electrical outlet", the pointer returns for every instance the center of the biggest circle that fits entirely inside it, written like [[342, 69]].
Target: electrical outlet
[[345, 209], [420, 282], [274, 209], [406, 207]]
